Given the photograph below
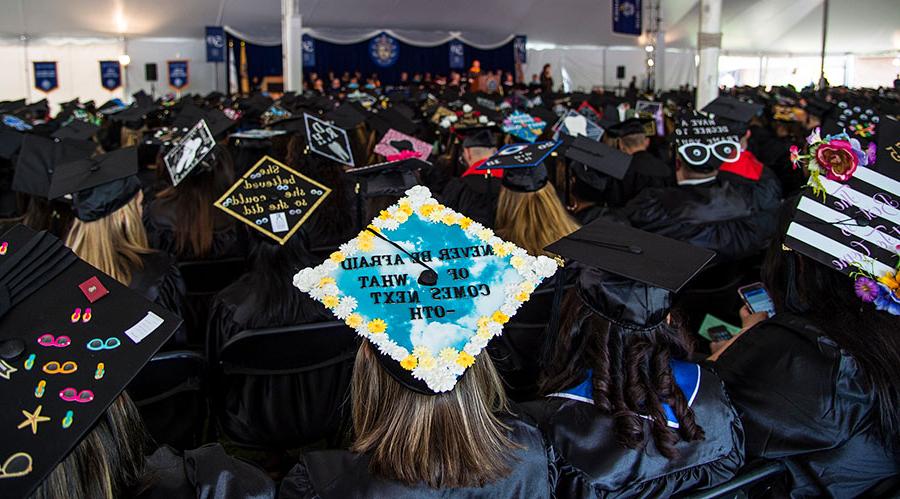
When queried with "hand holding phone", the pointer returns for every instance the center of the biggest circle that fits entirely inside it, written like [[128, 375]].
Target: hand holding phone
[[757, 299]]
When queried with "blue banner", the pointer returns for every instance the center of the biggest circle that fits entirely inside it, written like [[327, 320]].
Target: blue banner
[[457, 55], [309, 51], [215, 44], [384, 50], [110, 75], [626, 17], [46, 77], [520, 49], [178, 74]]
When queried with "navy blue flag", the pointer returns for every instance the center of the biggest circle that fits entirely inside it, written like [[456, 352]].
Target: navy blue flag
[[46, 77], [457, 55], [110, 75], [178, 74], [215, 44], [309, 51], [384, 50], [520, 49], [626, 16]]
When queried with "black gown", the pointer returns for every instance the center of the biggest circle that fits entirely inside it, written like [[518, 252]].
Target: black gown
[[343, 474], [229, 240], [764, 196], [160, 282], [593, 464], [714, 215], [646, 171], [207, 472], [474, 196], [804, 400]]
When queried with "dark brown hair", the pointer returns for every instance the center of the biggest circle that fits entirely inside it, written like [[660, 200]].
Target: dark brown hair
[[631, 376]]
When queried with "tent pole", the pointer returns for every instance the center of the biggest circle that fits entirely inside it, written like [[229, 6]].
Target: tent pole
[[709, 43], [824, 39], [291, 45]]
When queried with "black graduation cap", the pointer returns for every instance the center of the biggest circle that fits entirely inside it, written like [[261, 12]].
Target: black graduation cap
[[385, 119], [628, 275], [347, 116], [525, 179], [99, 185], [71, 339], [38, 159], [733, 109], [390, 178], [704, 143], [818, 107], [142, 99], [76, 129], [10, 141], [595, 160], [482, 137], [273, 199], [11, 106]]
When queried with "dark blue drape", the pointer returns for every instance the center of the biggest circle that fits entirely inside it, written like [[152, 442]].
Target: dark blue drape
[[266, 61]]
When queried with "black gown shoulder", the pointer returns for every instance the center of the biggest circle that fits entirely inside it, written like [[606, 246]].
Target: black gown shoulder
[[593, 464], [646, 172], [805, 400], [206, 472], [160, 281], [229, 240], [341, 474], [474, 196], [715, 215]]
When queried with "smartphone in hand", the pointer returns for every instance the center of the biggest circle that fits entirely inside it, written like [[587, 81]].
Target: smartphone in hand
[[757, 299]]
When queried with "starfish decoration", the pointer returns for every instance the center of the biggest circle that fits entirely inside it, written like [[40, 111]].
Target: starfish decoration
[[32, 419]]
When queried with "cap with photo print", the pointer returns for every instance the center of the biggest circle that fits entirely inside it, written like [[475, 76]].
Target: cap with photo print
[[99, 185], [398, 145], [76, 129], [391, 178], [190, 151], [60, 374], [846, 218], [595, 162], [39, 158], [423, 324], [703, 143], [273, 198], [627, 275], [574, 124]]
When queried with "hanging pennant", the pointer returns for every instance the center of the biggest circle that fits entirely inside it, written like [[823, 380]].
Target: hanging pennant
[[46, 76], [178, 74], [110, 75], [215, 44], [309, 51], [457, 55], [626, 17]]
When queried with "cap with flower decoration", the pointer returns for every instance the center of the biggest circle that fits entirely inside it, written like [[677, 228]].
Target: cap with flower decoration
[[428, 287], [847, 218]]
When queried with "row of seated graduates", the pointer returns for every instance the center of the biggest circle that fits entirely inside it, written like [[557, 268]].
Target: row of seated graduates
[[247, 302]]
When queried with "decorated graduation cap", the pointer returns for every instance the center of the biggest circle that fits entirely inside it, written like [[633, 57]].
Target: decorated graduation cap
[[328, 140], [39, 158], [273, 198], [428, 287], [397, 145], [524, 126], [575, 124], [99, 185], [193, 149], [274, 114], [16, 123], [629, 276], [847, 218], [72, 338], [522, 164], [860, 121], [703, 143]]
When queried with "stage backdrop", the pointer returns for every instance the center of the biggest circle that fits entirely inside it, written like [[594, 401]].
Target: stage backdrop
[[382, 53]]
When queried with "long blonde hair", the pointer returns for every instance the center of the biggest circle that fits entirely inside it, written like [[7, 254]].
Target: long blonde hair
[[532, 220], [114, 244], [449, 440]]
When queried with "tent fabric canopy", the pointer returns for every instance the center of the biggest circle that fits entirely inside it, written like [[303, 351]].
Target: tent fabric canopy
[[759, 26]]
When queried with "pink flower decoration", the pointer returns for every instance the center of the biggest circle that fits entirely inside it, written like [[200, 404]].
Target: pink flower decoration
[[838, 159], [403, 155]]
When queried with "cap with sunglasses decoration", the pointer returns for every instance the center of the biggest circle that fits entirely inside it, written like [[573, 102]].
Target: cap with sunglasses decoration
[[703, 144]]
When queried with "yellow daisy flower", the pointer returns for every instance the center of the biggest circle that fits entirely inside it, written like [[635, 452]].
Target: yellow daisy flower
[[354, 320], [517, 262], [464, 359], [465, 222], [409, 363], [499, 317], [337, 257], [427, 209], [325, 281], [522, 296], [377, 326], [330, 301], [365, 245], [449, 219]]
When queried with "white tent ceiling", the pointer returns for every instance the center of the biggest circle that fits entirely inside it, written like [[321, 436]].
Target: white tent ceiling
[[757, 26]]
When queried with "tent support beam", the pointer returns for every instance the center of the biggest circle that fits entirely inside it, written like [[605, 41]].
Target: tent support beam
[[292, 45], [709, 42], [824, 40]]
